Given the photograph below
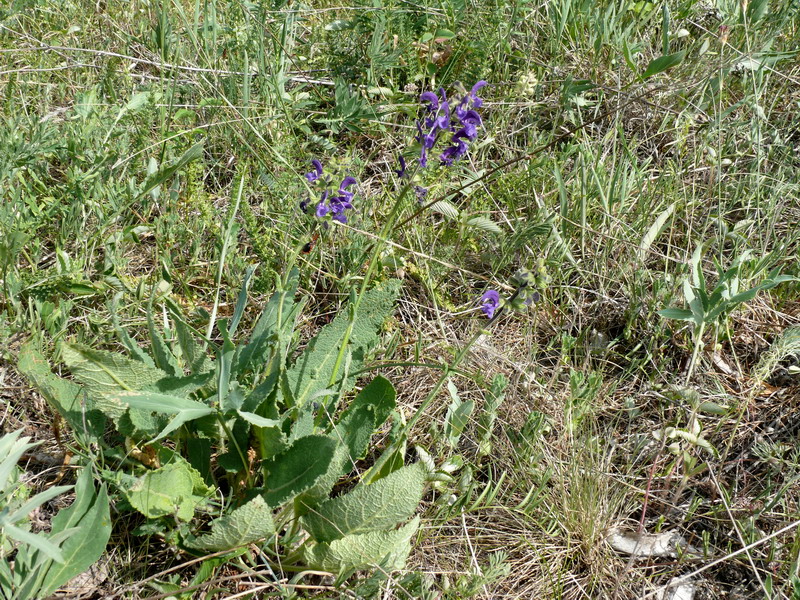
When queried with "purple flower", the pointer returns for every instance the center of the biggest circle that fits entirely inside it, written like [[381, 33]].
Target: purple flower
[[432, 100], [438, 117], [457, 150], [338, 206], [449, 155], [322, 209], [442, 120], [490, 302], [401, 172], [316, 173], [421, 193], [346, 183], [471, 121], [473, 95]]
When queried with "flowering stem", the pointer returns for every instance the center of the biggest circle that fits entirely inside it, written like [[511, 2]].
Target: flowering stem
[[373, 261], [555, 141]]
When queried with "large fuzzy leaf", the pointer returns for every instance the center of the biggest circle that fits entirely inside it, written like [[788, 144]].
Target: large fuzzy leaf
[[297, 468], [63, 395], [387, 549], [313, 370], [246, 524], [367, 508], [107, 372], [184, 409]]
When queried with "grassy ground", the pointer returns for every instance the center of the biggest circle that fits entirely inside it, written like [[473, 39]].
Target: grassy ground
[[617, 176]]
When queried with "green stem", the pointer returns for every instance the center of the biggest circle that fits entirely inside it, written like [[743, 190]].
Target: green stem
[[223, 253], [241, 454], [376, 249], [698, 341]]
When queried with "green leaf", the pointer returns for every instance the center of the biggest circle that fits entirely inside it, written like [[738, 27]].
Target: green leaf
[[39, 542], [458, 414], [164, 358], [313, 369], [485, 224], [387, 549], [340, 464], [275, 322], [124, 337], [185, 410], [64, 396], [297, 468], [445, 208], [662, 63], [258, 420], [171, 490], [108, 372], [193, 352], [368, 411], [756, 9], [21, 512], [160, 176], [653, 232], [381, 505], [183, 386], [90, 515], [677, 314], [241, 301], [248, 523], [226, 401]]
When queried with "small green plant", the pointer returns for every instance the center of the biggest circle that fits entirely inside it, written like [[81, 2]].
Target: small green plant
[[35, 565], [710, 307]]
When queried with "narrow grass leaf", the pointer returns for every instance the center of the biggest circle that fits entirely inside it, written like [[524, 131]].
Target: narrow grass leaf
[[654, 231]]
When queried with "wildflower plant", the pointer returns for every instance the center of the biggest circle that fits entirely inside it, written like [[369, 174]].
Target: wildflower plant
[[274, 428]]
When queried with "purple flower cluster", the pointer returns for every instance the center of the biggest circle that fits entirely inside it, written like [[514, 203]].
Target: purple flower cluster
[[463, 121], [331, 203]]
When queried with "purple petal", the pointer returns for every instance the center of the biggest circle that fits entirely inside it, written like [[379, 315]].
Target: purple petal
[[402, 171], [490, 302], [442, 121], [346, 182], [322, 209], [449, 155], [432, 100], [471, 116], [316, 173], [478, 86]]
